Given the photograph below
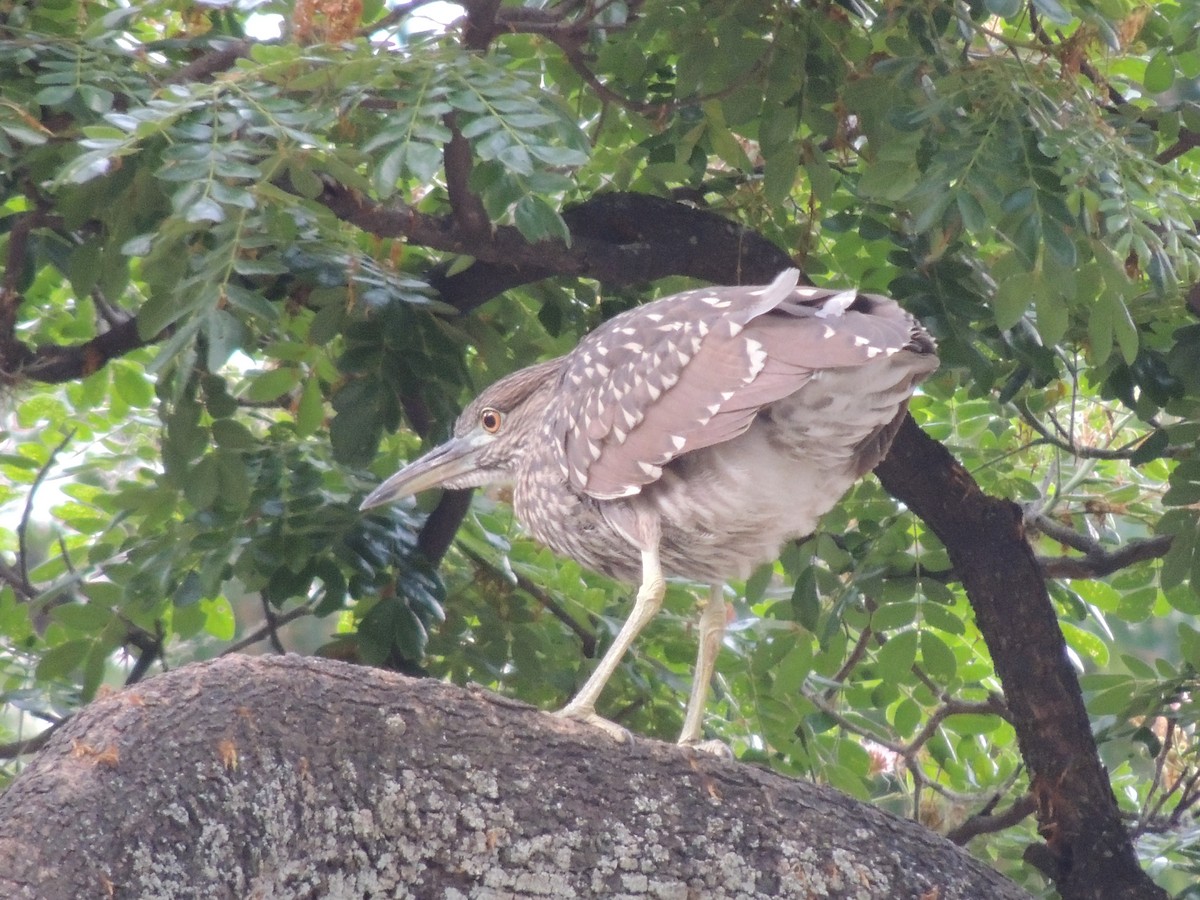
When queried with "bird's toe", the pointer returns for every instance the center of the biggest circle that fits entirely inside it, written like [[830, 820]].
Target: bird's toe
[[710, 747], [587, 716]]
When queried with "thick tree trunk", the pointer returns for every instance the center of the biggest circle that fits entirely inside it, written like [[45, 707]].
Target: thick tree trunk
[[1087, 852], [290, 777]]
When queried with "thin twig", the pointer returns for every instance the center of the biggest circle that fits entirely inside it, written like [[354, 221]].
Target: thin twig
[[393, 17], [1125, 451], [150, 646], [556, 609], [14, 749], [23, 527], [265, 631], [271, 621]]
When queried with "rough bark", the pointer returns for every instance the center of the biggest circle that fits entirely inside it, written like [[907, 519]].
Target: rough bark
[[290, 777], [1087, 851]]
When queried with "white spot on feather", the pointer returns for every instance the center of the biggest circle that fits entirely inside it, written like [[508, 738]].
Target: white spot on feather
[[678, 442], [649, 469], [836, 306], [758, 358]]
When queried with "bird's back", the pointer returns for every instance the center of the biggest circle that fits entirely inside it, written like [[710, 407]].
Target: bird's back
[[735, 417]]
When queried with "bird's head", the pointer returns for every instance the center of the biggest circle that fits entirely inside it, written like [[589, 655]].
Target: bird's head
[[490, 438]]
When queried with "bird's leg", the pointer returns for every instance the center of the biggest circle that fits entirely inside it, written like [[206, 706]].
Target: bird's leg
[[649, 601], [712, 629]]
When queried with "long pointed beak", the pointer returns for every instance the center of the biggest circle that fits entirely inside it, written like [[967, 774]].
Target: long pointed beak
[[450, 460]]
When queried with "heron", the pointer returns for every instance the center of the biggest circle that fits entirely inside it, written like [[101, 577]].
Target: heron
[[690, 437]]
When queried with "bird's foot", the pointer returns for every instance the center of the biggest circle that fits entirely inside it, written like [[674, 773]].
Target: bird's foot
[[588, 716], [712, 747]]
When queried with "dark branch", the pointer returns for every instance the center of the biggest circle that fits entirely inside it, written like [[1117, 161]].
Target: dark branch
[[1096, 562], [619, 239], [56, 365], [220, 59], [1087, 843], [988, 822], [469, 213]]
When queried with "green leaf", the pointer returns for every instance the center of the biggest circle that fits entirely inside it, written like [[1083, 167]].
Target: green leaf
[[310, 412], [538, 221], [1013, 297], [897, 656], [1085, 643], [62, 660], [1160, 73], [189, 591], [1006, 9], [272, 384], [131, 384], [937, 658], [974, 218], [232, 435], [1124, 329], [779, 174], [806, 602], [202, 483], [1054, 11], [1052, 313], [224, 334], [887, 180], [252, 302], [219, 619]]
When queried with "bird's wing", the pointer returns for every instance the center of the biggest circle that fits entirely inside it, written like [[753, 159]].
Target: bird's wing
[[692, 370]]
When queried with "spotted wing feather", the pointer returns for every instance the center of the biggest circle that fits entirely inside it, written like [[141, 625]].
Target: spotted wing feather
[[693, 370]]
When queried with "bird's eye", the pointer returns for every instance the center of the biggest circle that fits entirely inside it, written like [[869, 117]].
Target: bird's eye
[[490, 419]]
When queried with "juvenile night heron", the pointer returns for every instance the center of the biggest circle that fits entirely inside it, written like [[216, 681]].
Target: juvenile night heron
[[690, 437]]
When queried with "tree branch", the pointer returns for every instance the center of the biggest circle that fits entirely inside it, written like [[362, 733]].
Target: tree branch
[[984, 536], [989, 823], [438, 791], [1096, 562], [221, 58], [52, 364], [469, 214]]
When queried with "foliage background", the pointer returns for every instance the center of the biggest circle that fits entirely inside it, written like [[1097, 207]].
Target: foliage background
[[238, 289]]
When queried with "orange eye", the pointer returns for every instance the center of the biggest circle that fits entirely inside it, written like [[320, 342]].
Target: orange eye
[[490, 419]]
